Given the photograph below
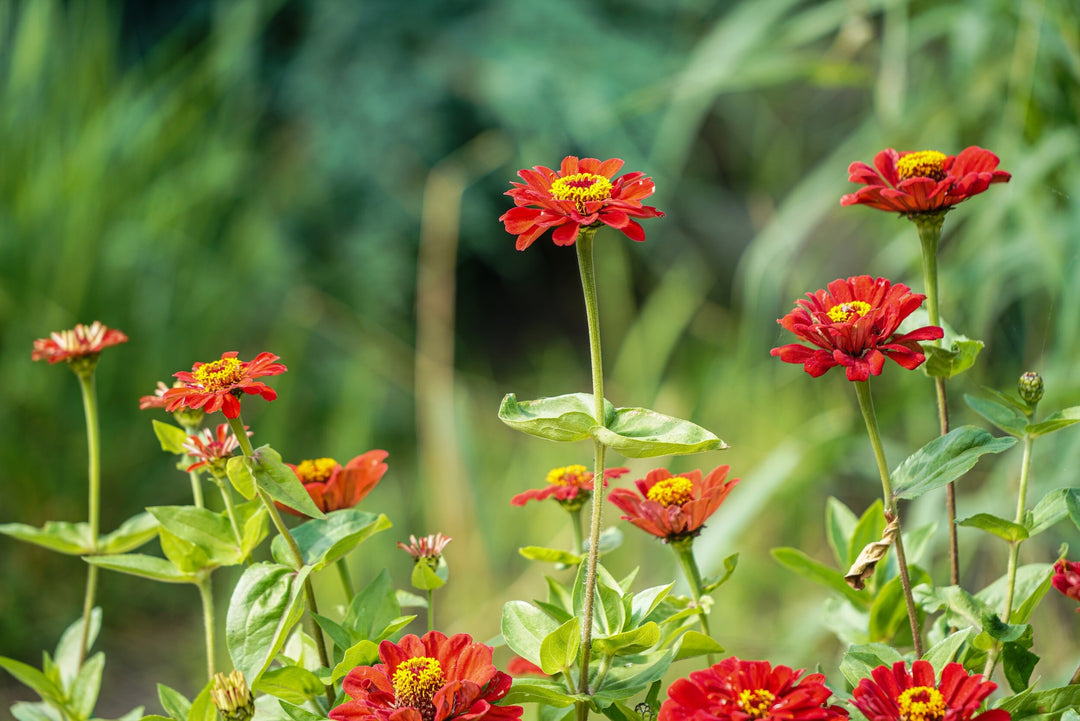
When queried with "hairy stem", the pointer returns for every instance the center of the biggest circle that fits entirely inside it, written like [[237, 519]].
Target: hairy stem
[[684, 550]]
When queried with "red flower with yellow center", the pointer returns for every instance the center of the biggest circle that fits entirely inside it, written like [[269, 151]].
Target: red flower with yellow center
[[332, 487], [924, 181], [81, 341], [673, 507], [737, 690], [583, 194], [434, 678], [218, 385], [896, 695], [571, 486], [1067, 579], [853, 324]]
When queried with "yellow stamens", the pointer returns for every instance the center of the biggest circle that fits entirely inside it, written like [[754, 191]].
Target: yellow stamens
[[566, 476], [581, 188], [416, 680], [921, 703], [315, 470], [672, 491], [219, 374], [845, 312], [921, 164], [756, 703]]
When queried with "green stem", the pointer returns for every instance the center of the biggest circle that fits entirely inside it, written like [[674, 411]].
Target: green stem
[[579, 538], [431, 609], [866, 405], [93, 443], [230, 510], [196, 488], [346, 582], [684, 549], [207, 596]]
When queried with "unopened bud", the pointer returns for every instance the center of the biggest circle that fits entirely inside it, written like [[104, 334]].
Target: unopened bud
[[232, 698], [1030, 387]]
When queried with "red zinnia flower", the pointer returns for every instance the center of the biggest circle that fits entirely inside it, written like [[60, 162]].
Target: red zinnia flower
[[425, 547], [580, 195], [570, 485], [206, 447], [433, 678], [924, 181], [853, 324], [673, 507], [1067, 579], [736, 690], [219, 384], [895, 694], [79, 342], [332, 487], [155, 401], [519, 666]]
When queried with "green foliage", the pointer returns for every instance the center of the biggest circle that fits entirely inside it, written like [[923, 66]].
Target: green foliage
[[326, 540], [267, 602], [944, 459]]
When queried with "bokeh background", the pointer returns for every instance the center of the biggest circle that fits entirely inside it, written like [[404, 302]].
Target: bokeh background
[[323, 180]]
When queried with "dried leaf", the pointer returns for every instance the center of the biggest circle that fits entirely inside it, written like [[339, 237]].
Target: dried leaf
[[870, 555]]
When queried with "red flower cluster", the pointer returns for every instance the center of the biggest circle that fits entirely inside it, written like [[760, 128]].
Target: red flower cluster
[[737, 690], [79, 342], [673, 507], [570, 486], [1067, 579], [433, 678], [580, 195], [332, 487], [219, 384], [896, 695], [924, 181], [208, 448], [853, 324]]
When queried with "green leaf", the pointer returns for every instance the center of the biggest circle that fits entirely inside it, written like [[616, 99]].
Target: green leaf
[[240, 475], [172, 438], [136, 564], [961, 605], [174, 702], [325, 540], [729, 568], [1042, 704], [1048, 511], [944, 459], [646, 601], [73, 539], [290, 683], [644, 433], [203, 708], [558, 650], [860, 660], [524, 627], [363, 653], [795, 560], [888, 613], [26, 711], [252, 518], [944, 651], [998, 630], [135, 714], [628, 642], [1072, 505], [29, 676], [694, 643], [185, 555], [840, 525], [267, 602], [625, 680], [1054, 422], [83, 694], [1005, 416], [957, 358], [1032, 583], [1011, 532], [280, 481], [297, 713], [559, 595], [373, 609], [427, 575], [563, 418], [131, 534], [211, 532], [541, 691], [550, 555], [67, 650], [610, 539]]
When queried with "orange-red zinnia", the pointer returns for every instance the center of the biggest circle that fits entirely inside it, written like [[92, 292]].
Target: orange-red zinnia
[[673, 507], [80, 341], [218, 385], [897, 695], [332, 487]]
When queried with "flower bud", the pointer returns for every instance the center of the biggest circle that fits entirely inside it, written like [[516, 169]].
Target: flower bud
[[232, 698], [1030, 387]]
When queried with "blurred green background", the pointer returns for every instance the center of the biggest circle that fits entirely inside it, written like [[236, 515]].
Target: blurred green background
[[323, 180]]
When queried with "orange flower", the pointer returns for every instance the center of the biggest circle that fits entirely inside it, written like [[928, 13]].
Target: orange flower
[[571, 486], [923, 181], [581, 195], [332, 487], [896, 695], [79, 342], [218, 385], [673, 507]]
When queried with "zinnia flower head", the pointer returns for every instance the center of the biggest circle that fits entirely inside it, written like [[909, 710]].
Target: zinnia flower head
[[430, 547], [571, 486], [434, 678], [673, 507], [737, 690], [896, 695], [333, 487], [924, 181], [213, 449], [582, 194], [232, 697], [79, 346], [1067, 579], [218, 385], [853, 324]]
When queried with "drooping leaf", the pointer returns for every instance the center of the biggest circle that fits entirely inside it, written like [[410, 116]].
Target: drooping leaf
[[644, 433], [297, 713], [1011, 532], [131, 534], [267, 602], [1032, 583], [1042, 704], [1005, 416], [238, 469], [279, 481], [795, 560], [136, 564], [73, 539], [323, 541], [944, 459], [1050, 509], [1054, 422], [541, 691], [565, 418], [29, 676], [427, 575], [1018, 662], [171, 438], [730, 563]]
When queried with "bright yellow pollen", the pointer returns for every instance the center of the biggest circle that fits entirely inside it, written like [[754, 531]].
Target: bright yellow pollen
[[921, 703], [566, 476], [219, 374], [316, 469], [416, 680], [848, 311], [581, 188], [756, 703], [672, 491], [921, 164]]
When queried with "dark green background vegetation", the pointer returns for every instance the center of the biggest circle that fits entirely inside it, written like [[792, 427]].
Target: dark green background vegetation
[[265, 176]]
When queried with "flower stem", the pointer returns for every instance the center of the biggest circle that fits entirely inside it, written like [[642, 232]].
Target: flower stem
[[431, 609], [93, 443], [579, 538], [226, 496], [866, 404], [346, 582], [207, 596], [196, 489], [684, 549]]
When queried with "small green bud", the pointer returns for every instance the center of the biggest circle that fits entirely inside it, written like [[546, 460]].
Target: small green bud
[[232, 697], [1030, 387]]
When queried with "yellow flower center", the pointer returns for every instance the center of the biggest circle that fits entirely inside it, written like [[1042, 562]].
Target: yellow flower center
[[219, 374], [415, 682], [756, 703], [672, 491], [315, 470], [566, 476], [581, 188], [845, 312], [921, 703], [921, 164]]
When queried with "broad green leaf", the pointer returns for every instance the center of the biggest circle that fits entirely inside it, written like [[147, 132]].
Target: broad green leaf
[[1017, 662], [625, 680], [944, 651], [296, 713], [73, 539], [947, 362], [628, 642], [694, 643], [944, 459], [67, 650], [541, 691], [1011, 532], [83, 694], [185, 555], [888, 613], [563, 418], [363, 653], [131, 534], [37, 711], [730, 563], [795, 560], [524, 627], [1032, 583], [861, 659], [252, 518], [1048, 511], [559, 649], [1054, 422], [171, 438], [340, 635], [427, 576], [174, 702], [1006, 417], [210, 532], [644, 602], [267, 602], [559, 614], [1072, 505], [240, 475], [839, 526], [393, 627], [136, 564], [604, 579], [202, 707], [324, 540], [559, 594], [998, 630], [644, 433], [373, 609], [290, 683], [1042, 704], [29, 676], [280, 482], [550, 555], [961, 606]]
